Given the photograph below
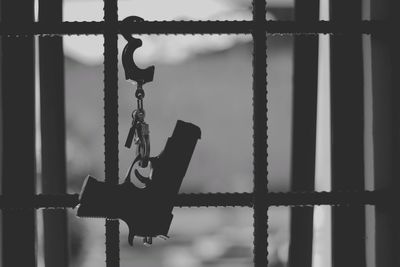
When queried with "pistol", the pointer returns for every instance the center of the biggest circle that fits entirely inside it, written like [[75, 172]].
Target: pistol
[[147, 211]]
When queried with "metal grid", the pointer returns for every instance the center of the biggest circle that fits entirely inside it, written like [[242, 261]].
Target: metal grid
[[197, 27], [260, 199]]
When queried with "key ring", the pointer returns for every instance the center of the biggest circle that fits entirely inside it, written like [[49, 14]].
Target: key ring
[[141, 136], [141, 178], [143, 144]]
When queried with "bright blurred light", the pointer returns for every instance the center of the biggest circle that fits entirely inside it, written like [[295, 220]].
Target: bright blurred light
[[322, 214], [155, 49], [180, 257], [149, 9]]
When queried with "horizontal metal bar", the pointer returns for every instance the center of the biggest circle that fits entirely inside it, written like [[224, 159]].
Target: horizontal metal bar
[[41, 201], [285, 199], [61, 28], [228, 199], [197, 27]]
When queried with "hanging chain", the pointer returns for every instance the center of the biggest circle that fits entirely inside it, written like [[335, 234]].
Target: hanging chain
[[139, 132]]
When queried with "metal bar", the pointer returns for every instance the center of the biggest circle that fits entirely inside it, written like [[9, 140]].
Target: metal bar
[[348, 198], [200, 27], [395, 136], [246, 27], [260, 136], [286, 199], [305, 92], [51, 61], [347, 111], [386, 143], [111, 120], [17, 133]]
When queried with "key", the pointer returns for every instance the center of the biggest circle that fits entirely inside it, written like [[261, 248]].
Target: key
[[136, 117], [129, 139], [143, 148]]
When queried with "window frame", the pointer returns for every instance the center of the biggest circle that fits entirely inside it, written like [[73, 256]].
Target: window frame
[[260, 199]]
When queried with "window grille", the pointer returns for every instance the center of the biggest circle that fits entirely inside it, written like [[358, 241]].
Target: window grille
[[260, 199]]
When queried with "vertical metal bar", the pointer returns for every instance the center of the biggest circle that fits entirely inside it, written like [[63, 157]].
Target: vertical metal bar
[[52, 117], [394, 239], [386, 137], [347, 118], [111, 120], [305, 92], [260, 134], [17, 104]]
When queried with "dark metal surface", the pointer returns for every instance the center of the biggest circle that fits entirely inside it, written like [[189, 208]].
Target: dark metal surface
[[52, 105], [305, 92], [200, 27], [347, 120], [260, 145], [111, 121], [385, 85], [132, 71], [17, 104]]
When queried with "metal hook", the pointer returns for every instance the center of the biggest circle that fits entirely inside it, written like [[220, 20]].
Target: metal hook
[[132, 71]]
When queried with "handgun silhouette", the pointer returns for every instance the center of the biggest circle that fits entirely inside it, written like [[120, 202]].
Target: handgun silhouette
[[147, 211]]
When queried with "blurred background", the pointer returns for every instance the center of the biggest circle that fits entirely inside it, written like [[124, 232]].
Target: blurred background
[[206, 80]]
